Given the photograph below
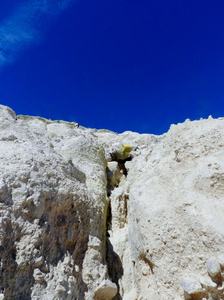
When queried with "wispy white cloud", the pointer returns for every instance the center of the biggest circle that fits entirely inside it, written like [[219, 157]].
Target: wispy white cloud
[[25, 25]]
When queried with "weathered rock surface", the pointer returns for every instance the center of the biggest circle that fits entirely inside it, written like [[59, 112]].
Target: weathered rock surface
[[91, 214]]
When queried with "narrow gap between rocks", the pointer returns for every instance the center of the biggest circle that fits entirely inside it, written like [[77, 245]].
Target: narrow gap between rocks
[[121, 164], [123, 171], [114, 264]]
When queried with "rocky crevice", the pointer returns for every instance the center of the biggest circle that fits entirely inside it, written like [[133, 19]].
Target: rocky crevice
[[150, 228], [117, 213]]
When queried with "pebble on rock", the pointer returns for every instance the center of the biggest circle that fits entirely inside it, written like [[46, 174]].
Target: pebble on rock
[[213, 266]]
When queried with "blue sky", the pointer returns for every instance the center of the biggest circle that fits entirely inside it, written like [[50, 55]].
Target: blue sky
[[120, 65]]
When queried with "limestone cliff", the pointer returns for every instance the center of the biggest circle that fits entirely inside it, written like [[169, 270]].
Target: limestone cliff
[[91, 214]]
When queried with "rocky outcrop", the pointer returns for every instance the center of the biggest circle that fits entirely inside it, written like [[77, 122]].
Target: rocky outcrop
[[91, 214]]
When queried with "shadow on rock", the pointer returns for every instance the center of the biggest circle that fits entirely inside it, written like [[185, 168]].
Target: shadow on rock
[[114, 265]]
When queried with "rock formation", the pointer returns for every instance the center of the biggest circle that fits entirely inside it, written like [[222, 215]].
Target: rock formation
[[91, 214]]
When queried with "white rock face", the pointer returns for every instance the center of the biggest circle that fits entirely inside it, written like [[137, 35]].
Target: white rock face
[[90, 214]]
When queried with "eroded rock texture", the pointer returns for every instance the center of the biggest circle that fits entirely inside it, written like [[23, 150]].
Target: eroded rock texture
[[90, 214]]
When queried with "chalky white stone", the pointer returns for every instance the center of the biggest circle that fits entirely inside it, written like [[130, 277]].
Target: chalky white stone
[[70, 232], [213, 266], [191, 286]]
